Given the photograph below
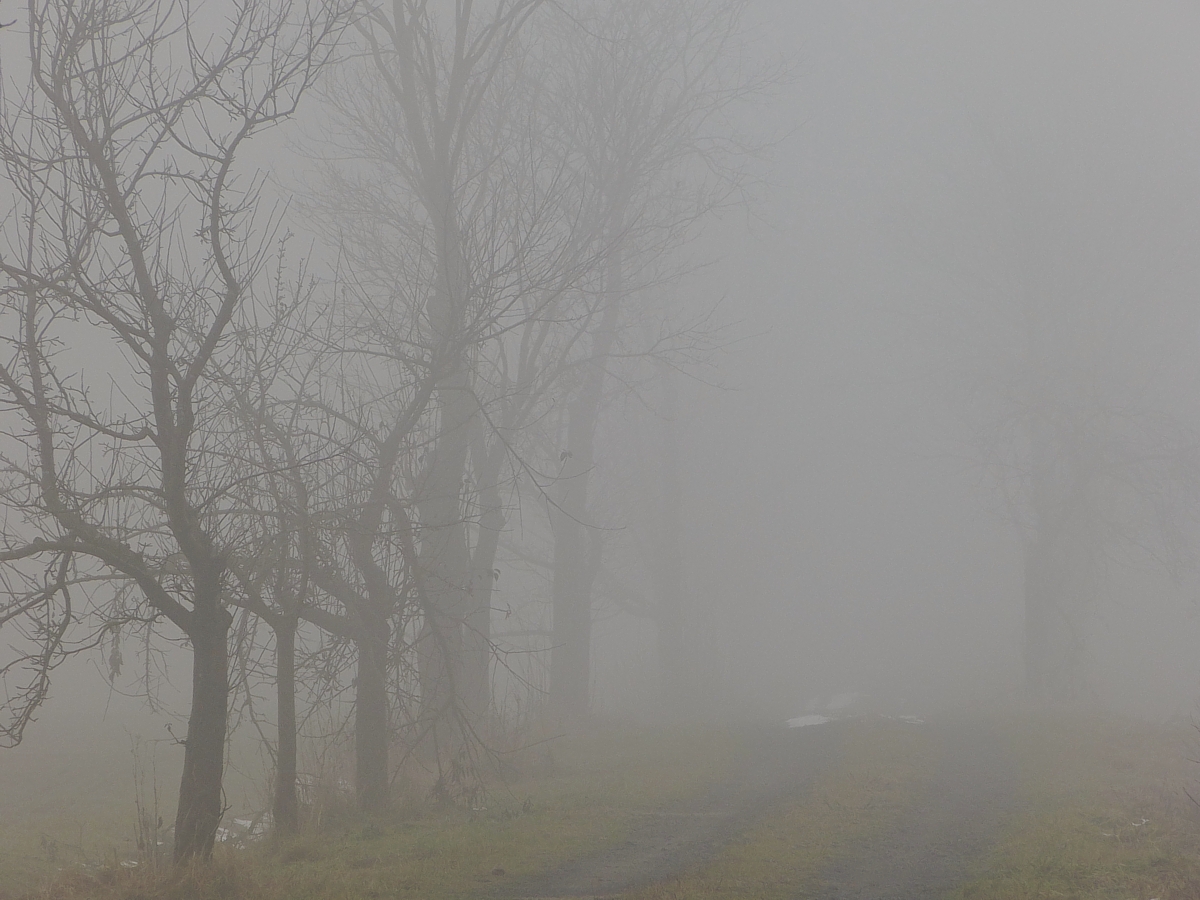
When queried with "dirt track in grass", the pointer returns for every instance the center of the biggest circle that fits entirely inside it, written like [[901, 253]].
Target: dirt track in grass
[[681, 837], [948, 826], [951, 825]]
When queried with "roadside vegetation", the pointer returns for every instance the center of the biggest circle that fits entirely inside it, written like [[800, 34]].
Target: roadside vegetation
[[1102, 812], [1106, 814], [557, 801], [881, 772]]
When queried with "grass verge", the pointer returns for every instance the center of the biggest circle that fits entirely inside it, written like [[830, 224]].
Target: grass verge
[[883, 767], [1105, 814], [602, 782]]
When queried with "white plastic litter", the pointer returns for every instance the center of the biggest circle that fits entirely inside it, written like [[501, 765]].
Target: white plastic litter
[[802, 721], [242, 832]]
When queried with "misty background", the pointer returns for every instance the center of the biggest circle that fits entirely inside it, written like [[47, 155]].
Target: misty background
[[936, 166], [843, 525]]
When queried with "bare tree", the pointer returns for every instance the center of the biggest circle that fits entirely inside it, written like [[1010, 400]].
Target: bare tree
[[1083, 438], [653, 81], [1092, 466], [40, 610], [467, 229], [272, 568], [133, 251]]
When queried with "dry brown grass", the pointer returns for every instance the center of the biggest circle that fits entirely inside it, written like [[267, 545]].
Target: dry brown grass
[[1107, 814], [598, 784], [1086, 782], [882, 769]]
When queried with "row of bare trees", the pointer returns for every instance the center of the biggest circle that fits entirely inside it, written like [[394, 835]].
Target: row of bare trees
[[299, 464]]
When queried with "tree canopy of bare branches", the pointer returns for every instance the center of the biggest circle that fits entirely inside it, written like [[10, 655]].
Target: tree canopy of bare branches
[[133, 251]]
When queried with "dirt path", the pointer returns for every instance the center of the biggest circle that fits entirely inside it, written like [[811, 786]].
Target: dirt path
[[680, 838], [948, 827], [951, 826]]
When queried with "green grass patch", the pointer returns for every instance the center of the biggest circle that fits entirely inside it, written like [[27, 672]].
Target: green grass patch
[[882, 768], [593, 787], [1105, 814], [63, 807]]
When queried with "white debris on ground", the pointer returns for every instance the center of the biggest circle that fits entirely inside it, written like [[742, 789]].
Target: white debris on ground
[[846, 705], [802, 721], [243, 832]]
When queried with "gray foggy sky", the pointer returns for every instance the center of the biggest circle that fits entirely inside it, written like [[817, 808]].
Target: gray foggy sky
[[858, 524]]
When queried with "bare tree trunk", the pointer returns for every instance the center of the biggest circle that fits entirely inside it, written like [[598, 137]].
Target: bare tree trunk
[[1035, 649], [570, 652], [445, 558], [477, 653], [1057, 580], [284, 809], [445, 561], [668, 565], [574, 567], [371, 781], [200, 796]]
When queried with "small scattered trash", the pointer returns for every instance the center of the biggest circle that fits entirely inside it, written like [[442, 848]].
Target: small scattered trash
[[1140, 824], [243, 832], [817, 719], [129, 864], [803, 721]]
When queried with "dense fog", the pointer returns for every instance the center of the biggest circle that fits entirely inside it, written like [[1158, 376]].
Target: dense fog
[[909, 357], [949, 169]]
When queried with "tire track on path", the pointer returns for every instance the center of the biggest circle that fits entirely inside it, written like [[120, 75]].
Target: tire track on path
[[681, 837], [950, 826]]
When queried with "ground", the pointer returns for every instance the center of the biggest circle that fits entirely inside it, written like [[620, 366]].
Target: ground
[[950, 824], [779, 765], [959, 807]]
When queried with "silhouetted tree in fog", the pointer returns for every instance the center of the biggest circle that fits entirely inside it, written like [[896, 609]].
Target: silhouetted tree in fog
[[133, 250], [464, 227], [654, 80], [275, 467], [1070, 393]]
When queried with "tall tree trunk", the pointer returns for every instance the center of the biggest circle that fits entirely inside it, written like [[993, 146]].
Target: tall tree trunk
[[1037, 651], [371, 782], [444, 556], [477, 637], [575, 563], [445, 562], [570, 652], [1057, 578], [284, 810], [200, 796], [668, 563]]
